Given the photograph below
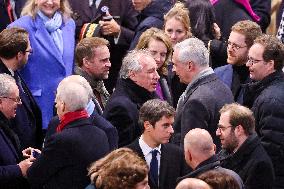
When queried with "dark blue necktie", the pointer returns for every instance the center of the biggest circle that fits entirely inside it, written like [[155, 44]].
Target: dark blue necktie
[[154, 166]]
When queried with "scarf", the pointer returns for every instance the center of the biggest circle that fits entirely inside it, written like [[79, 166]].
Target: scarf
[[69, 117], [53, 27]]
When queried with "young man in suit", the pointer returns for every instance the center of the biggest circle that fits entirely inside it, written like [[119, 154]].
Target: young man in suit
[[156, 118], [14, 53]]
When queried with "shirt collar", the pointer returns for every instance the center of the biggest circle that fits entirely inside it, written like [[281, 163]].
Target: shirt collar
[[146, 149]]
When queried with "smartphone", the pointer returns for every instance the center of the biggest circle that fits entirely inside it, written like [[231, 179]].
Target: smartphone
[[35, 154], [107, 18]]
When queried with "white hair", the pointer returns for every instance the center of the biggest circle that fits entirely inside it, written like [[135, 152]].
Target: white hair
[[74, 95], [194, 50], [6, 85]]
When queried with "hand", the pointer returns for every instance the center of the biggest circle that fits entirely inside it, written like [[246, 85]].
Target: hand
[[216, 31], [25, 164], [110, 27], [27, 153]]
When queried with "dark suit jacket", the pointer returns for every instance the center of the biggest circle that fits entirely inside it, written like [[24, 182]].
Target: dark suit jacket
[[200, 108], [28, 123], [64, 159], [10, 173], [122, 109], [172, 165], [98, 121]]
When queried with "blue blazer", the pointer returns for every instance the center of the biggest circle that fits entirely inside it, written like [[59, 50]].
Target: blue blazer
[[225, 74], [46, 67]]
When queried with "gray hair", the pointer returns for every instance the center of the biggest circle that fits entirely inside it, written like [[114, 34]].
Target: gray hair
[[193, 49], [131, 62], [74, 95], [81, 81], [6, 85]]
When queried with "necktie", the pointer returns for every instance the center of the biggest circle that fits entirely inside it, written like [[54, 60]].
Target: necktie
[[154, 166]]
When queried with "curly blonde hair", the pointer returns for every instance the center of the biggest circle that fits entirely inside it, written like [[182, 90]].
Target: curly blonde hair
[[31, 9], [180, 13], [159, 35], [120, 169]]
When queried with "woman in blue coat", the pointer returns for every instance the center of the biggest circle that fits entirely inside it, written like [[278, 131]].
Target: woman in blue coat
[[52, 37]]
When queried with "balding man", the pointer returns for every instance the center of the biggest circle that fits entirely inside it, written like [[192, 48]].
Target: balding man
[[76, 144], [199, 152], [192, 183]]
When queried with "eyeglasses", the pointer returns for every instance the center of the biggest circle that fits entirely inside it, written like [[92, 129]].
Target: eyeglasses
[[29, 51], [17, 99], [235, 46], [222, 128], [253, 61]]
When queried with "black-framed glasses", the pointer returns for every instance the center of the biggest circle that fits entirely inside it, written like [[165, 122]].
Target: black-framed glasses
[[17, 99], [222, 128], [253, 61], [235, 46]]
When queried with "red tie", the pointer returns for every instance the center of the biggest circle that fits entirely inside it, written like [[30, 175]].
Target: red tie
[[10, 11]]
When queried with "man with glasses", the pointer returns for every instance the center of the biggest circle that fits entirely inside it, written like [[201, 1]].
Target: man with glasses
[[265, 96], [242, 151], [14, 52], [13, 167], [236, 73]]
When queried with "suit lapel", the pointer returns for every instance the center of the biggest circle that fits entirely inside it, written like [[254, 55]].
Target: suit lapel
[[47, 42], [163, 165], [10, 145]]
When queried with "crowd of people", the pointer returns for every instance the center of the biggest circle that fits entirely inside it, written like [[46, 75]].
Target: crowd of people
[[140, 94]]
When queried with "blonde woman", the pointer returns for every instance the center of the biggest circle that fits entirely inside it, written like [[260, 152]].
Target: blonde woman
[[52, 39], [159, 45]]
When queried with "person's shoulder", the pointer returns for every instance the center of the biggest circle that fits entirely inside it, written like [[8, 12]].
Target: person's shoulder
[[24, 22]]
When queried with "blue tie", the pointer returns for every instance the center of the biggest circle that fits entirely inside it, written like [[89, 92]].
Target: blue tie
[[154, 166]]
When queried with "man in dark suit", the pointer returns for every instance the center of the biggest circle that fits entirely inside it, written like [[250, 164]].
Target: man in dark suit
[[77, 143], [14, 51], [156, 118], [119, 31], [236, 73], [137, 84], [12, 166], [242, 151], [205, 94]]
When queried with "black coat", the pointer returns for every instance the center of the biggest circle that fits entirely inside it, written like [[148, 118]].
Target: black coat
[[210, 164], [266, 99], [122, 109], [252, 163], [98, 121], [10, 155], [172, 165], [200, 108], [64, 159], [28, 123], [151, 16]]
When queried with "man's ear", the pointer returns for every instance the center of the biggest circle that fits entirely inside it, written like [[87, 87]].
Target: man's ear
[[147, 125], [86, 62], [131, 75], [271, 65]]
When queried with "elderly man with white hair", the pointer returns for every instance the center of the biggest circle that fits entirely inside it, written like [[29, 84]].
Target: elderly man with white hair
[[205, 94], [77, 143]]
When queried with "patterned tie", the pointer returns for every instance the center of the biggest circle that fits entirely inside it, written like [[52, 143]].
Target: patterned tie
[[154, 166]]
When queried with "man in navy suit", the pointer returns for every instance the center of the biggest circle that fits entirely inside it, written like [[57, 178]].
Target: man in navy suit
[[156, 118], [235, 74], [77, 143], [12, 166], [14, 52]]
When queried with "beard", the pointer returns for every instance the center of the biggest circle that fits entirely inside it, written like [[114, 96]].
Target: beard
[[232, 143]]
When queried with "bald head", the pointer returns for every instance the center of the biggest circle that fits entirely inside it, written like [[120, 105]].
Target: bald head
[[198, 147], [192, 183]]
